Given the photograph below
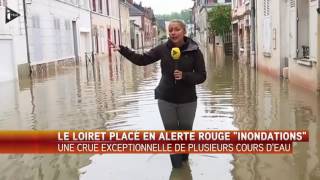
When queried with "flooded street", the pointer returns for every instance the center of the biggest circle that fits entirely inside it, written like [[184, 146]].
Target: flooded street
[[114, 94]]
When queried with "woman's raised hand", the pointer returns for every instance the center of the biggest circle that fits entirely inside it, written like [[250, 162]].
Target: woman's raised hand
[[113, 46]]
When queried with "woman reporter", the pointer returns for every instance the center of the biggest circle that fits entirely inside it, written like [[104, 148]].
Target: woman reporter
[[182, 68]]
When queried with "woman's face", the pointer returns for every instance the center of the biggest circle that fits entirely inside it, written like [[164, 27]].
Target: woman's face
[[176, 33]]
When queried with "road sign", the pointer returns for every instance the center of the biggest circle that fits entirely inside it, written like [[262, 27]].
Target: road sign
[[10, 15]]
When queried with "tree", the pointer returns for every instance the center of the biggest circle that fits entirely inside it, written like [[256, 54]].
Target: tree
[[184, 15], [219, 18]]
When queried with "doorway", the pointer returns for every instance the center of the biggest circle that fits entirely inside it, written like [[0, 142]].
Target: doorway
[[7, 70]]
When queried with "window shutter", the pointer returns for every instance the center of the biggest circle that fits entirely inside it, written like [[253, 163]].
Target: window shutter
[[292, 3], [292, 29], [267, 27], [266, 7]]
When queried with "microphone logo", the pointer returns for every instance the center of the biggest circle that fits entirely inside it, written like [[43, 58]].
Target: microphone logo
[[175, 53]]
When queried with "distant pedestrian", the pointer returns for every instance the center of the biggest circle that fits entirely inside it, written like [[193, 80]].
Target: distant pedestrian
[[182, 67]]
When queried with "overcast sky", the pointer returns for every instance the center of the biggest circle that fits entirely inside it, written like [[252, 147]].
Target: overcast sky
[[166, 6]]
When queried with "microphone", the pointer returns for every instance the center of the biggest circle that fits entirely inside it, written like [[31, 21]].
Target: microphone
[[175, 54]]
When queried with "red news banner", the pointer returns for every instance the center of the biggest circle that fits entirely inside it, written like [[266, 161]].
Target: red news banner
[[150, 141]]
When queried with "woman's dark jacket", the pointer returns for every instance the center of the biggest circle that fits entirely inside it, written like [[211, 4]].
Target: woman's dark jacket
[[191, 63]]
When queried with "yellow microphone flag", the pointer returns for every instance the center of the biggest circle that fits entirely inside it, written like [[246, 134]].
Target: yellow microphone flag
[[175, 53]]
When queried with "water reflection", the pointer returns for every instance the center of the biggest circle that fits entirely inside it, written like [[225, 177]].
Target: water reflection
[[114, 94], [266, 103], [55, 167], [183, 173], [65, 97]]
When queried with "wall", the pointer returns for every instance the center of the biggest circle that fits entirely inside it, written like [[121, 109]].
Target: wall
[[268, 62], [50, 27], [305, 72], [12, 41], [284, 34], [137, 20], [242, 23], [314, 32], [203, 34], [99, 28], [303, 76], [147, 32], [125, 25]]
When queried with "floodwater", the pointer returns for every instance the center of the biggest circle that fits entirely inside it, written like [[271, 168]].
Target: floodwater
[[114, 94]]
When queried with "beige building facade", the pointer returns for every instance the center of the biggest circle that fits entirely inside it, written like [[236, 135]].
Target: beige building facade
[[241, 30], [287, 41], [125, 23], [105, 19]]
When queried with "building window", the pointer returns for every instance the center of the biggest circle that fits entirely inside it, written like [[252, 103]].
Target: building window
[[119, 36], [67, 25], [3, 2], [85, 4], [94, 8], [35, 21], [107, 3], [56, 23], [100, 6], [115, 36]]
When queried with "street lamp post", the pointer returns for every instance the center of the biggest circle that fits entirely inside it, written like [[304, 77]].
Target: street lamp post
[[253, 31], [27, 38]]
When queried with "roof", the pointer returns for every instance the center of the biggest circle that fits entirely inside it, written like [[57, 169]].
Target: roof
[[134, 11]]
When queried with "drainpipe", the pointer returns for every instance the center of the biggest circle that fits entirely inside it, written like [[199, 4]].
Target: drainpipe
[[318, 45], [297, 30], [255, 35], [142, 41], [252, 32], [92, 43], [206, 29], [120, 27], [26, 31]]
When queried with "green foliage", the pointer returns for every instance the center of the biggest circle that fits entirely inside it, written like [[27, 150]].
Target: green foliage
[[184, 15], [219, 18]]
